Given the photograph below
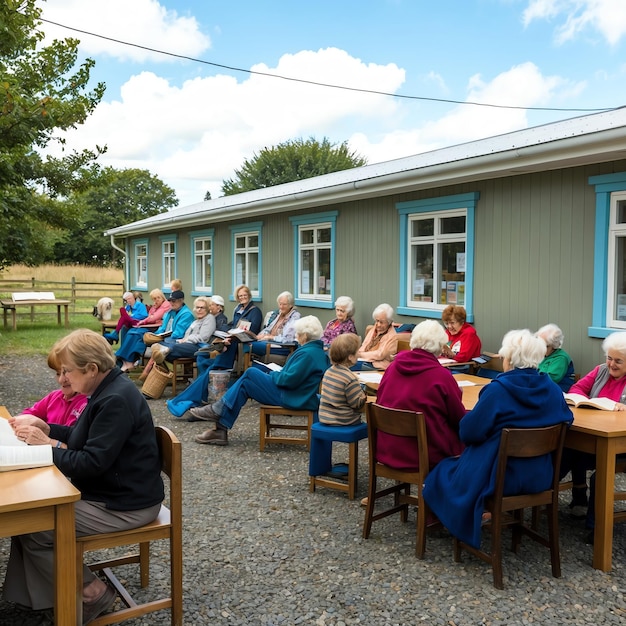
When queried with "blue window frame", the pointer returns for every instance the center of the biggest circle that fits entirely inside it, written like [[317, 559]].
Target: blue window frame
[[609, 286], [169, 245], [437, 255], [314, 259], [202, 261], [247, 260], [139, 267]]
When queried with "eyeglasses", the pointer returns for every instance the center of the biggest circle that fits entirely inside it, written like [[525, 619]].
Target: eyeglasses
[[200, 307]]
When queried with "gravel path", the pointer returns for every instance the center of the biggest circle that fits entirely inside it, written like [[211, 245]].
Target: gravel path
[[260, 549]]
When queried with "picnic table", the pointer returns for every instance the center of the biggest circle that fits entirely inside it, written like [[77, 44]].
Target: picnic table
[[32, 300]]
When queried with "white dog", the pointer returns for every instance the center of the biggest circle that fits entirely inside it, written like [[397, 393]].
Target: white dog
[[103, 309]]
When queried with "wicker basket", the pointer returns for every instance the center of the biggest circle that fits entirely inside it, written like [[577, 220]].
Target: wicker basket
[[156, 382]]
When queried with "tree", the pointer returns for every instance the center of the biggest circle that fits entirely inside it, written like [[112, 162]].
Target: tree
[[110, 198], [289, 161], [41, 93], [207, 196]]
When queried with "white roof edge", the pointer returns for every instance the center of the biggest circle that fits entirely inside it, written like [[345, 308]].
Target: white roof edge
[[555, 143]]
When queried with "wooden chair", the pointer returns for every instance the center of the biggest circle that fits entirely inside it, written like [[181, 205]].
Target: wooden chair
[[184, 370], [168, 525], [403, 424], [267, 425], [509, 510]]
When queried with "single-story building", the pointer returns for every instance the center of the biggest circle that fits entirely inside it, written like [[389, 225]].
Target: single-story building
[[521, 229]]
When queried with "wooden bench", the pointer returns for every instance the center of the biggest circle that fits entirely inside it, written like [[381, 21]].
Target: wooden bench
[[33, 299]]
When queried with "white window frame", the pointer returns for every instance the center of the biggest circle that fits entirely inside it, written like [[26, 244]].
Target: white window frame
[[437, 208], [616, 232], [140, 261], [198, 258], [239, 276], [169, 249], [316, 222]]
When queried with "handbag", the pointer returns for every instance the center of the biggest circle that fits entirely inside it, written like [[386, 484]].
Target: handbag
[[150, 338]]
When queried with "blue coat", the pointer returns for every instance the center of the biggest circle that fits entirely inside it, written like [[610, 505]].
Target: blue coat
[[457, 487], [182, 320]]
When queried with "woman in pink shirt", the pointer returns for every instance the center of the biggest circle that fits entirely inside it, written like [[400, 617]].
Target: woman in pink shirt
[[62, 406]]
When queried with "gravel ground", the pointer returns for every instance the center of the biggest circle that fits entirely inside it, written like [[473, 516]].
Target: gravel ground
[[260, 549]]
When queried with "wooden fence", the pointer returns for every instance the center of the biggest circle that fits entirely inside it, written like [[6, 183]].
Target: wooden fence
[[83, 295]]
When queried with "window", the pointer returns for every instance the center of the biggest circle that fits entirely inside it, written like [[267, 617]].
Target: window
[[247, 257], [202, 261], [168, 250], [315, 259], [436, 254], [609, 287], [139, 278]]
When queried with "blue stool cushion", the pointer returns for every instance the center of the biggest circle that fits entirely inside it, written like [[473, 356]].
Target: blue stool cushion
[[322, 437]]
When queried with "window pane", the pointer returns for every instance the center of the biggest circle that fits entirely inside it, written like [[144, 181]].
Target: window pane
[[423, 228], [253, 271], [323, 235], [306, 236], [307, 271], [452, 264], [253, 241], [240, 269], [620, 279], [323, 279], [452, 225], [421, 288]]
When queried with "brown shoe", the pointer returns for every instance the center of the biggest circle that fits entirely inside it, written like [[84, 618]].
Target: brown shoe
[[91, 610], [217, 437], [205, 413], [157, 355]]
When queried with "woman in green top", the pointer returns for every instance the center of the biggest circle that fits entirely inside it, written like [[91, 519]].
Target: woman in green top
[[557, 364]]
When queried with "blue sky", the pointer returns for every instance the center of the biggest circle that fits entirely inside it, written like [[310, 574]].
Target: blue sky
[[193, 123]]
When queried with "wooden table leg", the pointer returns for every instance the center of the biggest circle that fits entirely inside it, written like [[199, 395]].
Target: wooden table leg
[[67, 599], [59, 314], [67, 316], [4, 315], [605, 485], [14, 318]]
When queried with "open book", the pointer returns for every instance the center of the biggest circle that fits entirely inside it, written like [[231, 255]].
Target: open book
[[243, 334], [15, 454], [267, 367], [577, 399]]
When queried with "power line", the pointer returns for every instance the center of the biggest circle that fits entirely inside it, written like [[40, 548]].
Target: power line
[[320, 84]]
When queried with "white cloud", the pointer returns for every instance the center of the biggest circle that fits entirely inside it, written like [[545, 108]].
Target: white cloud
[[142, 22], [608, 17]]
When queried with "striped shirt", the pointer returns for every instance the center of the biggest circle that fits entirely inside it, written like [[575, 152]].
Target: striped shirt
[[342, 397]]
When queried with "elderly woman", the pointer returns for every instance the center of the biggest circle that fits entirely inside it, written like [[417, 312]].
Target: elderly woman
[[520, 397], [279, 327], [132, 346], [295, 386], [343, 322], [110, 455], [463, 342], [607, 380], [133, 311], [199, 332], [557, 364], [62, 406], [416, 381], [381, 342]]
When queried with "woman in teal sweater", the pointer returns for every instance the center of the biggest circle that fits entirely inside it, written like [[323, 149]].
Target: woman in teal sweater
[[296, 386]]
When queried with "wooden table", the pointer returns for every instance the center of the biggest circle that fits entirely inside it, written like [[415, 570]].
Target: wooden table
[[43, 499], [10, 305], [602, 433]]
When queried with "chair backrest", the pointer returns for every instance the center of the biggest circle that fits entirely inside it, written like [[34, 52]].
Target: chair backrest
[[170, 452], [400, 423], [528, 443]]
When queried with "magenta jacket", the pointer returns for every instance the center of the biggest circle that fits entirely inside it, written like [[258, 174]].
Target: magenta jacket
[[416, 381]]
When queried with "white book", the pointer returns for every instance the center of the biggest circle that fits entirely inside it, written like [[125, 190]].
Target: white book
[[578, 400], [271, 367], [15, 454]]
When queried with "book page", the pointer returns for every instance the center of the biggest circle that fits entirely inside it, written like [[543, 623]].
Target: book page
[[578, 399], [369, 377], [274, 367], [7, 435], [24, 457]]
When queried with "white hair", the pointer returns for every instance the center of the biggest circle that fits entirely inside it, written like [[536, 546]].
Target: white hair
[[429, 335], [522, 349], [615, 341], [287, 295], [552, 335], [385, 308], [347, 303], [309, 326]]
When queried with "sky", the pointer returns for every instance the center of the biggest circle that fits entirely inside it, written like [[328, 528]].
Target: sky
[[207, 85]]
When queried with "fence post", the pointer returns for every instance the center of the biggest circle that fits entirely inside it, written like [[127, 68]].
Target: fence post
[[73, 296], [33, 283]]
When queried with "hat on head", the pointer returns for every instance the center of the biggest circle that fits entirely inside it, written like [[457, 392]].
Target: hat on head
[[218, 300], [177, 295]]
